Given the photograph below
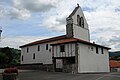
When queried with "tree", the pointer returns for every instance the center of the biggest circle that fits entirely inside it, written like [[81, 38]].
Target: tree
[[3, 59], [9, 56]]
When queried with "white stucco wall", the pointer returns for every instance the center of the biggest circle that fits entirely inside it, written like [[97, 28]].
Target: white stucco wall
[[69, 50], [90, 61], [43, 56], [80, 33]]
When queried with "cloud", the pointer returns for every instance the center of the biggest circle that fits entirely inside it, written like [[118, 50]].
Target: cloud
[[57, 21], [13, 13], [17, 41], [33, 5], [115, 42], [23, 9], [55, 24], [3, 12], [61, 21], [18, 14], [104, 23], [103, 16]]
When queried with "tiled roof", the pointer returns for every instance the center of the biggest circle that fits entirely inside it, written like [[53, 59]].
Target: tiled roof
[[45, 40], [114, 64], [70, 40]]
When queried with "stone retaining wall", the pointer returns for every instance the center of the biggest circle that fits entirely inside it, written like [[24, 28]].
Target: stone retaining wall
[[43, 67]]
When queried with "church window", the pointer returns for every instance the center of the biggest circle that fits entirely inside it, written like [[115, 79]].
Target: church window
[[22, 57], [92, 48], [96, 49], [78, 20], [82, 22], [27, 49], [46, 46], [102, 51], [62, 48], [38, 47], [34, 56]]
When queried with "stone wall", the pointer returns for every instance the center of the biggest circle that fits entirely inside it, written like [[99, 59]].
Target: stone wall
[[43, 67]]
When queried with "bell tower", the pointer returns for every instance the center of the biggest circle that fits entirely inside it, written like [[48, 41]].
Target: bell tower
[[77, 26]]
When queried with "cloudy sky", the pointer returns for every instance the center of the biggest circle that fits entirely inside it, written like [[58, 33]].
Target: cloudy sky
[[25, 21]]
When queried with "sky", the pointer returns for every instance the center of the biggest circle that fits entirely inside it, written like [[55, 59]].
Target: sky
[[25, 21]]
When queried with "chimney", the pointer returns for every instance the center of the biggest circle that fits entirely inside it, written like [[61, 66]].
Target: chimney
[[93, 42]]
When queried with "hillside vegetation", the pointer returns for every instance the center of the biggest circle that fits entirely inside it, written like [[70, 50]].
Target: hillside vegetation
[[9, 57], [114, 55]]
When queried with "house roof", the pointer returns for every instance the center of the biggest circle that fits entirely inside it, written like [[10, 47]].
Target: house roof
[[71, 40], [114, 64], [45, 40]]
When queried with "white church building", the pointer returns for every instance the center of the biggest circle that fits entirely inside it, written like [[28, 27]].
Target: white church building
[[72, 52]]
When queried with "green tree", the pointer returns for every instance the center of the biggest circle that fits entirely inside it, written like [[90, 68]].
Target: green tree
[[9, 56], [3, 59]]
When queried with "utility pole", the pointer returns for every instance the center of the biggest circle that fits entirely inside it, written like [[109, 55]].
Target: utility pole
[[0, 33]]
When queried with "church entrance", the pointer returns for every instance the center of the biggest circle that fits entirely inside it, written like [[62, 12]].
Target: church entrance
[[64, 64], [59, 65]]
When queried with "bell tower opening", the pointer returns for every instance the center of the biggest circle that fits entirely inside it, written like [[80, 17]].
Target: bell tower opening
[[82, 22], [78, 20]]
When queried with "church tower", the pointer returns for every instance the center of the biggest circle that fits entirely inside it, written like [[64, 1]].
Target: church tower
[[77, 26]]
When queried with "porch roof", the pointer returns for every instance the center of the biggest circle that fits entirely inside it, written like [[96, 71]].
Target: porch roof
[[72, 40]]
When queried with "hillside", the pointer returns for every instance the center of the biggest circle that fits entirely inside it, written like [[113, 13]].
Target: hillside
[[114, 55]]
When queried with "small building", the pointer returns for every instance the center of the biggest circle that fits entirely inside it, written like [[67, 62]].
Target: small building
[[72, 52], [114, 66]]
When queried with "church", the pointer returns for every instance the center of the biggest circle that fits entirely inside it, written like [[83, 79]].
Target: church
[[72, 52]]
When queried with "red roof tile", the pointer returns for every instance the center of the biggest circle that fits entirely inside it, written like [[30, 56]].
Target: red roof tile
[[114, 64], [69, 40]]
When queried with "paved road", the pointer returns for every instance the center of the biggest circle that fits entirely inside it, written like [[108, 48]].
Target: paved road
[[41, 75], [2, 70]]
